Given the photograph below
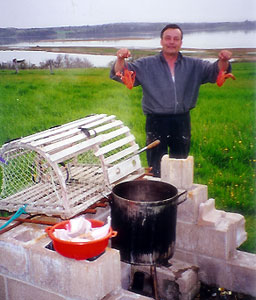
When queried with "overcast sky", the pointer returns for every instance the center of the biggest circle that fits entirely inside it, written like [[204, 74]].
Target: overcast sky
[[48, 13]]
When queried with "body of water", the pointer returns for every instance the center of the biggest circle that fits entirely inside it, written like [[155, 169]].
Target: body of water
[[201, 40], [35, 57]]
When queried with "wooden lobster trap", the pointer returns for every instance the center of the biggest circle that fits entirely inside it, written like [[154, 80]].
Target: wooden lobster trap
[[64, 170]]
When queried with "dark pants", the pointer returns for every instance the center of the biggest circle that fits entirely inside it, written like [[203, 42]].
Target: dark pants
[[174, 133]]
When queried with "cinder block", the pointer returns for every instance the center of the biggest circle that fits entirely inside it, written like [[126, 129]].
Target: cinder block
[[238, 223], [179, 280], [213, 271], [178, 172], [185, 277], [211, 241], [187, 280], [2, 288], [208, 215], [13, 259], [237, 274], [125, 275], [48, 269], [185, 256], [20, 290], [243, 273], [95, 279], [188, 211], [122, 294], [74, 278]]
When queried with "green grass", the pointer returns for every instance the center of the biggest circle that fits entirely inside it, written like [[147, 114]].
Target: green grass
[[223, 124]]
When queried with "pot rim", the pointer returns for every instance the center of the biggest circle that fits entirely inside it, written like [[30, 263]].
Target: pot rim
[[173, 199]]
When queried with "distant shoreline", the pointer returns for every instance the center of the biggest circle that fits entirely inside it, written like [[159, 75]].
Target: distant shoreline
[[239, 54], [113, 31]]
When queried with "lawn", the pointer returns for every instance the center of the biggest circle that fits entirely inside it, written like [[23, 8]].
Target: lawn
[[223, 123]]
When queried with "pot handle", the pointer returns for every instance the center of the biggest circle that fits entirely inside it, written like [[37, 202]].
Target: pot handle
[[182, 197], [47, 229], [113, 234]]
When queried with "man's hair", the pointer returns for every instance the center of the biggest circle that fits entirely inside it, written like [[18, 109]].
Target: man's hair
[[171, 26]]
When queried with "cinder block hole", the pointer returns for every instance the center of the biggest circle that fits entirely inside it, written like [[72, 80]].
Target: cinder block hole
[[50, 246], [171, 289], [142, 283], [25, 236]]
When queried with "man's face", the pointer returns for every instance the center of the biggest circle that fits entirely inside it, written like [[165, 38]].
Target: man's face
[[171, 41]]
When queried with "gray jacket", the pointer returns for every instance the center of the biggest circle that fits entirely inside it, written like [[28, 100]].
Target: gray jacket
[[162, 94]]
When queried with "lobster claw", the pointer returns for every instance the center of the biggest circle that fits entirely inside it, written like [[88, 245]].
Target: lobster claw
[[222, 76]]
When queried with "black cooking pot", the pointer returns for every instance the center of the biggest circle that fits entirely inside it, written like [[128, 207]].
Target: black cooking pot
[[144, 213]]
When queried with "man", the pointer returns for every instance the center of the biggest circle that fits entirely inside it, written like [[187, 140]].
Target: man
[[170, 84]]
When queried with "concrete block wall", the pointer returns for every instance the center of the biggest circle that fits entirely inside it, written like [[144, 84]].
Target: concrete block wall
[[30, 271], [207, 237]]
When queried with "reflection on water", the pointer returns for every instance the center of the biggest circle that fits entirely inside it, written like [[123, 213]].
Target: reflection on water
[[204, 40]]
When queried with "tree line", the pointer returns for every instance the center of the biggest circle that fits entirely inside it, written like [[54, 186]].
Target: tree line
[[113, 30], [61, 62]]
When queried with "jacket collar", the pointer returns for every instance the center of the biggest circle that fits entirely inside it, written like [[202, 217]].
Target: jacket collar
[[180, 56]]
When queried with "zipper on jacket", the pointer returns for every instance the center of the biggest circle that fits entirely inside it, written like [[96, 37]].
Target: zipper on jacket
[[175, 95], [174, 86]]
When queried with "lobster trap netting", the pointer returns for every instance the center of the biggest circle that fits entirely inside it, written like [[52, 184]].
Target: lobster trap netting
[[64, 170]]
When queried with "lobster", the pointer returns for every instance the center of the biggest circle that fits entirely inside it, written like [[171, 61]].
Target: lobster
[[222, 76], [127, 77]]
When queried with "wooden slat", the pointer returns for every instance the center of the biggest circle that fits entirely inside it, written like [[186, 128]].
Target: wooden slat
[[31, 196], [108, 126], [52, 138], [116, 133], [79, 137], [65, 132], [65, 138], [82, 173], [63, 143], [75, 150], [59, 129], [115, 145], [124, 168], [121, 154], [27, 192], [138, 173], [101, 121]]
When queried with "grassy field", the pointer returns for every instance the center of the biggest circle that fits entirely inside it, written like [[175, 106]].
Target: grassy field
[[223, 124]]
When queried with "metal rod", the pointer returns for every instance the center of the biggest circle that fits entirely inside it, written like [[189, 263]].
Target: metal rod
[[17, 221], [154, 277], [21, 220], [150, 146]]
